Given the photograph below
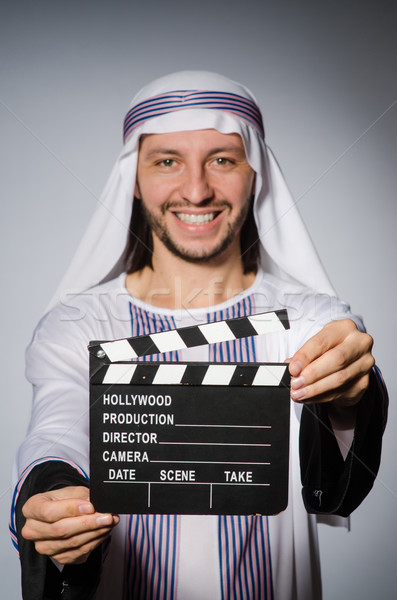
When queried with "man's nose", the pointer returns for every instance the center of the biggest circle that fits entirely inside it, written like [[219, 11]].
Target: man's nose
[[195, 186]]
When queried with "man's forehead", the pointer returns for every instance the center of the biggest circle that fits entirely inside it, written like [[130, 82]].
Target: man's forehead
[[197, 138]]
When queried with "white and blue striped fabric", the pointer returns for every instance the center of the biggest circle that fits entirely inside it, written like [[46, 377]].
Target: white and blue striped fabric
[[237, 105], [152, 547]]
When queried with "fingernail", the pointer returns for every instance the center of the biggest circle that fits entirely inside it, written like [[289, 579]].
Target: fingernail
[[297, 382], [86, 509], [295, 368], [298, 394], [104, 520]]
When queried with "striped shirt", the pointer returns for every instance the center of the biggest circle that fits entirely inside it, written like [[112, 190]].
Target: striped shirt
[[152, 545]]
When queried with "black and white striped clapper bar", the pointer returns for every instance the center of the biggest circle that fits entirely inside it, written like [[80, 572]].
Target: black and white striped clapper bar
[[189, 437]]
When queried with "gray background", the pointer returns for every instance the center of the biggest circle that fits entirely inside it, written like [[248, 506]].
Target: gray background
[[325, 77]]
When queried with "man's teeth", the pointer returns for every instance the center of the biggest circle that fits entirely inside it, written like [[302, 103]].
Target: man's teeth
[[196, 219]]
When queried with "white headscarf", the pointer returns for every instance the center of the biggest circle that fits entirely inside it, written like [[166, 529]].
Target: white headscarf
[[286, 248]]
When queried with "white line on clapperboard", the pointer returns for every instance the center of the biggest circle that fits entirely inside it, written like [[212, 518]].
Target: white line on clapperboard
[[236, 426], [211, 444], [210, 462], [149, 483], [189, 483]]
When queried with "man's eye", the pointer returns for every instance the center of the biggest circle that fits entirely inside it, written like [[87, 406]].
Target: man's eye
[[167, 162], [221, 161]]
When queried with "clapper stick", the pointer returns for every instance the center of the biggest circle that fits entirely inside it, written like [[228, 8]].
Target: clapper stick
[[189, 337]]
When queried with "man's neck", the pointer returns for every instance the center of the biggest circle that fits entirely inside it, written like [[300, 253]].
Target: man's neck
[[178, 284]]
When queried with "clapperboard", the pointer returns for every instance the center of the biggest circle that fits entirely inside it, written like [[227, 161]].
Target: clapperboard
[[189, 437]]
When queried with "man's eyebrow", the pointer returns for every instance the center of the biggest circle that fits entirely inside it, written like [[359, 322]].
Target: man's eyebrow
[[171, 151], [232, 149], [156, 151]]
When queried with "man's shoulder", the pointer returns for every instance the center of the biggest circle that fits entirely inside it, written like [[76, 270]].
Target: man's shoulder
[[305, 306]]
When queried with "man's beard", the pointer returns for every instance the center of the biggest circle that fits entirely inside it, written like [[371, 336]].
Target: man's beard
[[196, 256]]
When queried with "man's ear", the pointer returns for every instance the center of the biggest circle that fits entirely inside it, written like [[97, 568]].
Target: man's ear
[[137, 191]]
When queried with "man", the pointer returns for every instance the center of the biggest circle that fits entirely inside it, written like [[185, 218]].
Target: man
[[214, 234]]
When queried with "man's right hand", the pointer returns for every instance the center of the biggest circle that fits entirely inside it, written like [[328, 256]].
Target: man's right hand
[[63, 524]]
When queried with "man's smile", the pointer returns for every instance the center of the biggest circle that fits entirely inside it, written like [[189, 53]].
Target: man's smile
[[196, 219]]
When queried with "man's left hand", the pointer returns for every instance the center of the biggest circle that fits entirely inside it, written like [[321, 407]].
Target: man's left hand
[[332, 366]]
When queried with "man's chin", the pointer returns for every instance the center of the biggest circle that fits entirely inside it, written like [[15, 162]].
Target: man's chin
[[198, 257]]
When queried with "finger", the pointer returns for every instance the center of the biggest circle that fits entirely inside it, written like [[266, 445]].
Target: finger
[[342, 398], [67, 528], [74, 549], [353, 352], [78, 555], [344, 384], [58, 504], [330, 335]]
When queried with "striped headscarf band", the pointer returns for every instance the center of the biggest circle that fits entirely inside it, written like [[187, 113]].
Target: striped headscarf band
[[182, 99]]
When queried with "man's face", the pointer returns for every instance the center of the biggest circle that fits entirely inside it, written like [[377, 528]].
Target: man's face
[[195, 187]]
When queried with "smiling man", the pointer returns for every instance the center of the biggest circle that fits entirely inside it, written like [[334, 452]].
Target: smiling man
[[194, 189], [213, 234]]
